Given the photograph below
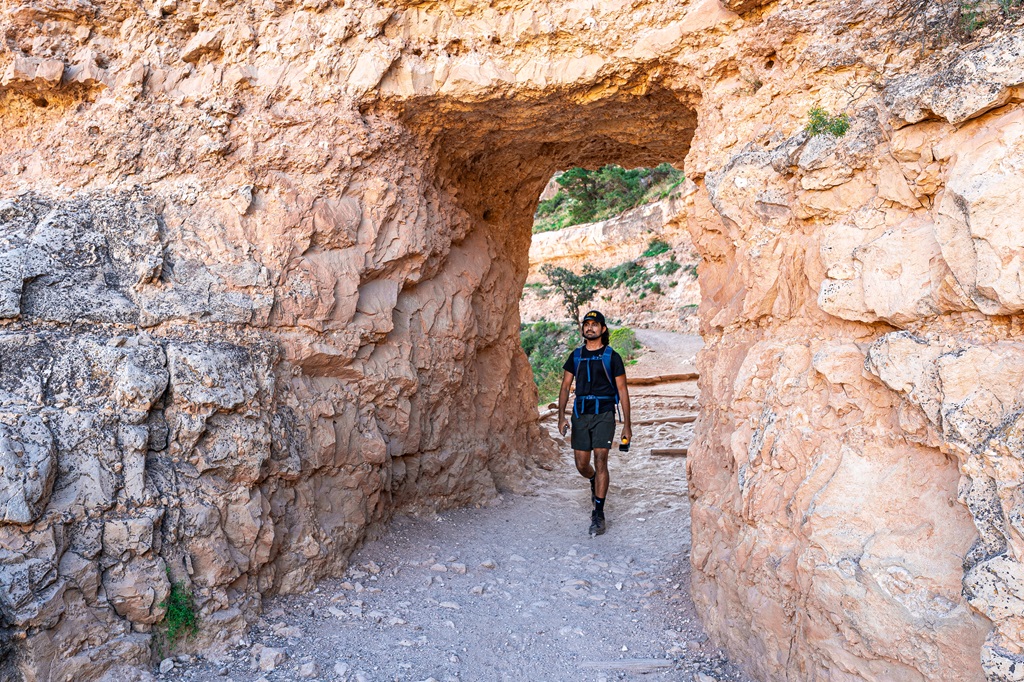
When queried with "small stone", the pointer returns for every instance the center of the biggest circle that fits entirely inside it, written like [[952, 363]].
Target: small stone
[[360, 676], [489, 563], [477, 590], [166, 665], [440, 568], [309, 671], [395, 620], [341, 668], [516, 557], [459, 568], [372, 568], [375, 616], [449, 605], [271, 657]]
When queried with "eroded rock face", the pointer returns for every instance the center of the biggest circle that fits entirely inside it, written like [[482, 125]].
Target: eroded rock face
[[259, 286], [840, 454]]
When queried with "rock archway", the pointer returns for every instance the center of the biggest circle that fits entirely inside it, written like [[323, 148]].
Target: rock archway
[[259, 285]]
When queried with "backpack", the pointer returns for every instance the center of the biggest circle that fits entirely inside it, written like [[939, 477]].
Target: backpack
[[606, 362]]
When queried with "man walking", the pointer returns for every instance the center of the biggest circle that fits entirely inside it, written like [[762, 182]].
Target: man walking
[[600, 386]]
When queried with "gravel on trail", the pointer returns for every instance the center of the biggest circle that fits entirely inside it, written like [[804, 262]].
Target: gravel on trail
[[515, 590]]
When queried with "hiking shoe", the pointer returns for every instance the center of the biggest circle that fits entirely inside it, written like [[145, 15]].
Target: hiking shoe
[[596, 523]]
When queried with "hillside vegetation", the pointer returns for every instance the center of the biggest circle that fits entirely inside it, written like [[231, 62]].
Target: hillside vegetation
[[587, 196]]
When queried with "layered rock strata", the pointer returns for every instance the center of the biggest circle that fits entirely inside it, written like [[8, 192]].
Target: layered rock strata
[[259, 284], [610, 242]]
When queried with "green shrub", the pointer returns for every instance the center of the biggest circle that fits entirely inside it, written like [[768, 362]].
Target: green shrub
[[549, 206], [655, 248], [180, 617], [821, 122], [547, 344], [691, 270], [654, 288], [667, 268], [623, 340]]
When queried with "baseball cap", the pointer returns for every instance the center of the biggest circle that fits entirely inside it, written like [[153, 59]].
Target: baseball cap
[[595, 315]]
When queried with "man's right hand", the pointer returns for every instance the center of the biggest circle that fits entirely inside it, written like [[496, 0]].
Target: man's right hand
[[563, 426]]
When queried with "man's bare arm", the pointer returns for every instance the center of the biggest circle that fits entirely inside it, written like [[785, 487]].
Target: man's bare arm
[[563, 399], [627, 424]]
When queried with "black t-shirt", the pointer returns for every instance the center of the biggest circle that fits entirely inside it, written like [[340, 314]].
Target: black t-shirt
[[592, 380]]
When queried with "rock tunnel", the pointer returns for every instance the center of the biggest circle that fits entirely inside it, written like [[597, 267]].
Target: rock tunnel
[[259, 289]]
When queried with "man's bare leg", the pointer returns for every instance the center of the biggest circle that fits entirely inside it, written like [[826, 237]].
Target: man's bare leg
[[583, 463], [601, 465]]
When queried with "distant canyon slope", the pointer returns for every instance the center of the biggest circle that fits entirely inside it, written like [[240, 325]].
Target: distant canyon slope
[[613, 242], [260, 277]]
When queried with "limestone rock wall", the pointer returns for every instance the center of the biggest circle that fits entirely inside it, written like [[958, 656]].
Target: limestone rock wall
[[259, 279], [858, 454]]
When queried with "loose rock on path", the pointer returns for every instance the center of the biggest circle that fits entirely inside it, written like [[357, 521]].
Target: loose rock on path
[[513, 591]]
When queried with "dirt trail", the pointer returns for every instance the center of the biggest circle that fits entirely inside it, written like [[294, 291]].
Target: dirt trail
[[666, 352], [513, 591]]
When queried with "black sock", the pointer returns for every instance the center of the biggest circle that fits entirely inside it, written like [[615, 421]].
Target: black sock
[[599, 504]]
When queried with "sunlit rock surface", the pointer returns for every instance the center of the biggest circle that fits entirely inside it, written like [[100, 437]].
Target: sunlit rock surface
[[259, 285]]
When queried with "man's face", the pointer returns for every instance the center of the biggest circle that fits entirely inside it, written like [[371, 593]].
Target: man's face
[[592, 329]]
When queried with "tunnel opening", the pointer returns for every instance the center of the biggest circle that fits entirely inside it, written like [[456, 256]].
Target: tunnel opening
[[493, 159]]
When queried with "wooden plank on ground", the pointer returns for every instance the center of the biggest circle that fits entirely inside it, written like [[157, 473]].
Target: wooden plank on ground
[[663, 379], [670, 452], [632, 665], [676, 419]]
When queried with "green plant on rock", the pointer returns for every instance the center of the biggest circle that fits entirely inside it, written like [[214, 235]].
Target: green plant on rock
[[655, 248], [630, 274], [1007, 7], [180, 616], [970, 16], [820, 122], [667, 268]]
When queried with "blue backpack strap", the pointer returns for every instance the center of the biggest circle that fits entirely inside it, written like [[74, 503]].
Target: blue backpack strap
[[606, 361], [576, 354]]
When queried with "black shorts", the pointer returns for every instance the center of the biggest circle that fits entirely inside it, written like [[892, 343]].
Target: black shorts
[[593, 431]]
